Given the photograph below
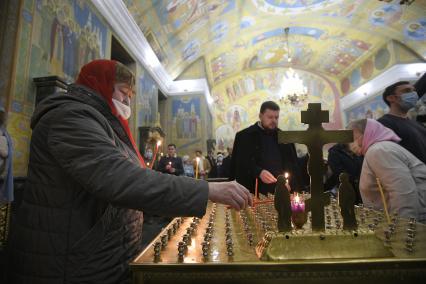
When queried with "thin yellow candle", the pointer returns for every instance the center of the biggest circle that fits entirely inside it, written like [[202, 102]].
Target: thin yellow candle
[[197, 160], [383, 199]]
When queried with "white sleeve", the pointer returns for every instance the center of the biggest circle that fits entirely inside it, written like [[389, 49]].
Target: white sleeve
[[399, 187]]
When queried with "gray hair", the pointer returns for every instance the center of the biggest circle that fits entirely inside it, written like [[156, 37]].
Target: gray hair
[[359, 125], [185, 158]]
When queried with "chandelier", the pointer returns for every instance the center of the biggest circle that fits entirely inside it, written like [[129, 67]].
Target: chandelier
[[292, 91]]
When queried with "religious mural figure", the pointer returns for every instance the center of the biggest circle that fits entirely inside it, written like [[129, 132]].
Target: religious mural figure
[[70, 47], [230, 94], [236, 120], [56, 46], [66, 35], [186, 118]]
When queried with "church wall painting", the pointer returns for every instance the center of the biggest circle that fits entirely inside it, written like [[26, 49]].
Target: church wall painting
[[186, 118], [416, 30], [180, 27], [374, 65], [371, 108], [68, 34], [237, 102], [54, 38], [146, 100], [190, 124], [156, 47]]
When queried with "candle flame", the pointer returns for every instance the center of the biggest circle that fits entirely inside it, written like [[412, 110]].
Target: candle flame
[[297, 198], [170, 163], [197, 159], [158, 143], [286, 175]]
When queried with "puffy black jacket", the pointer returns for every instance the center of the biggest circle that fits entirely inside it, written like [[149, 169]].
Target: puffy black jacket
[[79, 220]]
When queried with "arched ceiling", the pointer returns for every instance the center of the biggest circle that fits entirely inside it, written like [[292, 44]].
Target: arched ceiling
[[328, 37]]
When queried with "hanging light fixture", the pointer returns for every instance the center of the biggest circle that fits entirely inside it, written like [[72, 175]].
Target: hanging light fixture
[[292, 91]]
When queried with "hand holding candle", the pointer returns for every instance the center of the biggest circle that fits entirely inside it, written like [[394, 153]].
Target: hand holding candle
[[170, 168]]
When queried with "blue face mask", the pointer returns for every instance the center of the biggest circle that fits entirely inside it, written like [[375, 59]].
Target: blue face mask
[[409, 100]]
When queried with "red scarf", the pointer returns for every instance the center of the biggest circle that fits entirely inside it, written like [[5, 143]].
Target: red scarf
[[99, 75]]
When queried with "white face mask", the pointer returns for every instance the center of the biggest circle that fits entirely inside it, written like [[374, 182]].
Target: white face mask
[[123, 110]]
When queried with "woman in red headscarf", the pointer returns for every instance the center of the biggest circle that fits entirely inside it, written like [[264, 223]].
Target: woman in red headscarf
[[79, 221]]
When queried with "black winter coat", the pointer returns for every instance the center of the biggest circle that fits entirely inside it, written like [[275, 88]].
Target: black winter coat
[[79, 220], [340, 160], [246, 155]]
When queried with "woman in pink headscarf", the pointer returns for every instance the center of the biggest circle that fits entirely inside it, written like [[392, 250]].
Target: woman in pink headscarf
[[401, 174]]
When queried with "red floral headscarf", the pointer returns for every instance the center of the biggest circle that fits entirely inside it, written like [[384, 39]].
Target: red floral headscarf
[[100, 76]]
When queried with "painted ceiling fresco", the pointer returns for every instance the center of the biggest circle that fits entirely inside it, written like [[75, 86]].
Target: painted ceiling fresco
[[328, 37]]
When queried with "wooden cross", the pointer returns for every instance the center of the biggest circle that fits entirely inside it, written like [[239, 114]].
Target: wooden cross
[[314, 138]]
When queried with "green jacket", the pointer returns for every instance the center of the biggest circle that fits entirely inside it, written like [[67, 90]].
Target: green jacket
[[81, 217]]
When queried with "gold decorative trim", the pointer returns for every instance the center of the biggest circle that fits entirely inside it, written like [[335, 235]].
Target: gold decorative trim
[[4, 224]]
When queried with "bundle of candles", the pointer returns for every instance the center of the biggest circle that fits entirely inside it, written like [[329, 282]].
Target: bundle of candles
[[297, 203], [150, 165]]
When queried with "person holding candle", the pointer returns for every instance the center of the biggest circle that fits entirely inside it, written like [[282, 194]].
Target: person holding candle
[[201, 165], [401, 175], [80, 220], [171, 163], [258, 155]]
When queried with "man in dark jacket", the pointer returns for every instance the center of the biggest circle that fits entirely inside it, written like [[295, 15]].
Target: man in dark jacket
[[171, 164], [342, 160], [79, 221], [401, 97], [258, 155]]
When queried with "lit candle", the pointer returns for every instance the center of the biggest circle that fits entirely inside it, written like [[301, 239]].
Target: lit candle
[[155, 153], [297, 204], [170, 163], [197, 160], [287, 185]]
